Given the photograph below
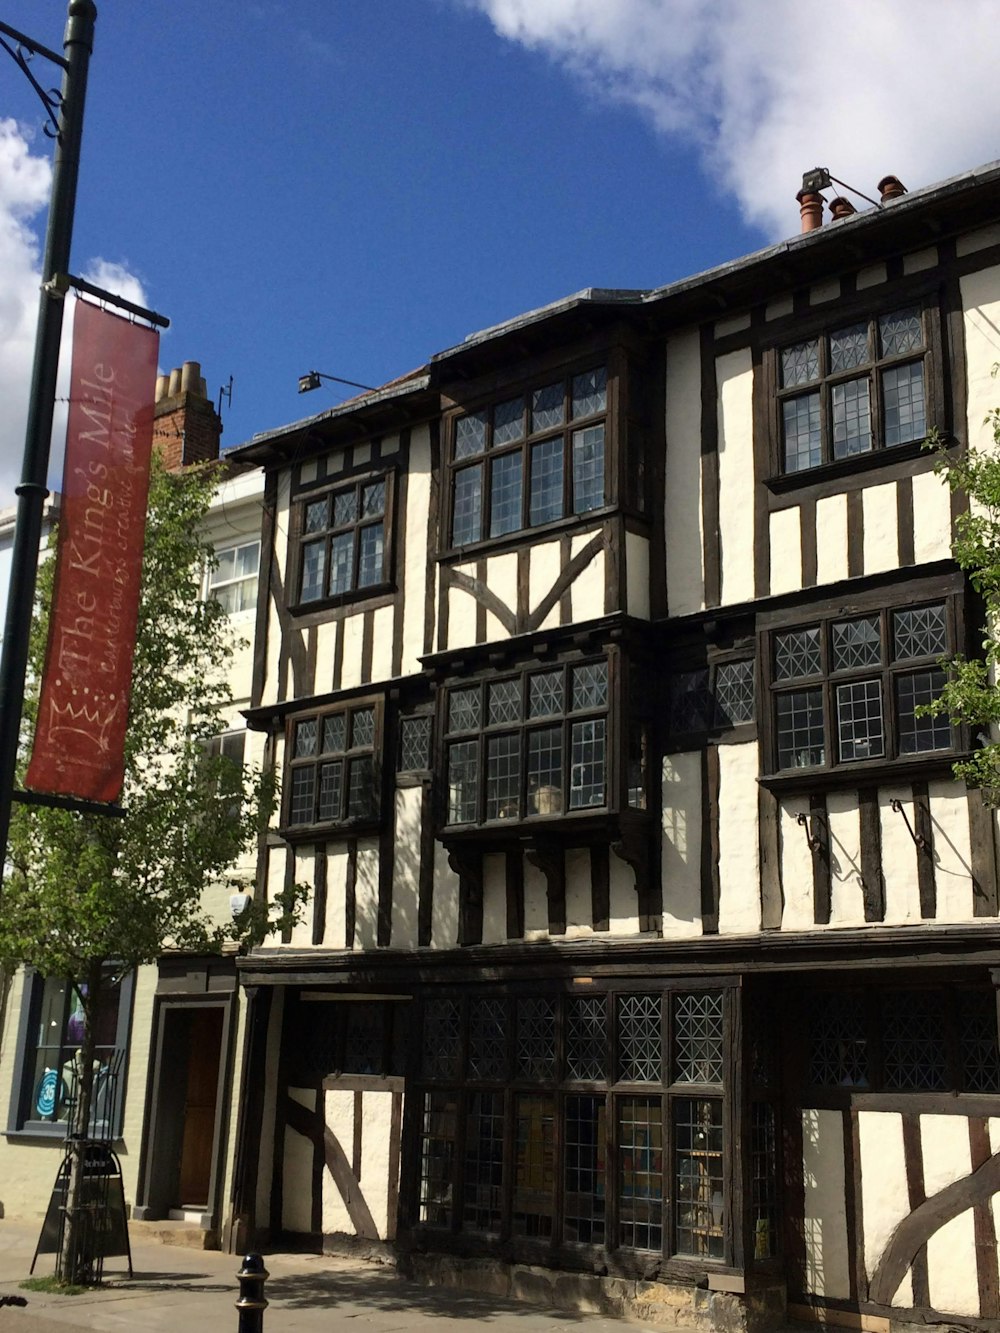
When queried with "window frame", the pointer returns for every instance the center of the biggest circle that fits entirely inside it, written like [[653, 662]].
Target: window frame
[[20, 1122], [302, 539], [804, 326], [717, 726], [346, 709], [213, 584], [522, 728], [888, 672], [461, 1085], [523, 447]]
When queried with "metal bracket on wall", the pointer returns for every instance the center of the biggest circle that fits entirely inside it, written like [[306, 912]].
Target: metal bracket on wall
[[919, 840]]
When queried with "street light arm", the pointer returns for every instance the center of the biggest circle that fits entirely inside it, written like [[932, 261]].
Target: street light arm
[[50, 98]]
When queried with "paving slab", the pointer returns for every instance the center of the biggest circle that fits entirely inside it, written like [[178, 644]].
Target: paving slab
[[195, 1291]]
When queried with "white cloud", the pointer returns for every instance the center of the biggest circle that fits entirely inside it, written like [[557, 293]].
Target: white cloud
[[769, 90], [24, 192]]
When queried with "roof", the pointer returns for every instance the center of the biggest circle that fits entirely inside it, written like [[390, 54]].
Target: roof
[[918, 218]]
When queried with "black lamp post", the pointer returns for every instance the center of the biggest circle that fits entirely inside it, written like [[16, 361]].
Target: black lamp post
[[65, 112]]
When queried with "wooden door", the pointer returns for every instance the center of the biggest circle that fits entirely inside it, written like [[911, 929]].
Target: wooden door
[[204, 1062]]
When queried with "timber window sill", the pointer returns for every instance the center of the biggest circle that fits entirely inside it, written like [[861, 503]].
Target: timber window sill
[[782, 483], [869, 773]]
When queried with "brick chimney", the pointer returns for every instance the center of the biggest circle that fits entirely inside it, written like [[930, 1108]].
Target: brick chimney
[[186, 427]]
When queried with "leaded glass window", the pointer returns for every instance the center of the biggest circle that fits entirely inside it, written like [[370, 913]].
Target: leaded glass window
[[914, 1043], [442, 1039], [698, 1177], [538, 457], [437, 1154], [867, 677], [333, 767], [536, 1039], [482, 1179], [487, 1039], [584, 1135], [586, 1038], [640, 1188], [838, 1041], [530, 745], [709, 697], [855, 388], [343, 542], [414, 743], [534, 1203], [698, 1048], [639, 1038], [977, 1026]]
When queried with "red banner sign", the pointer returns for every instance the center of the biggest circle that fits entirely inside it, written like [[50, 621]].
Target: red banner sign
[[83, 709]]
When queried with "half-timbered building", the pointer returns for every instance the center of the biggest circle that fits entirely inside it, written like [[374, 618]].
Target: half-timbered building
[[650, 951]]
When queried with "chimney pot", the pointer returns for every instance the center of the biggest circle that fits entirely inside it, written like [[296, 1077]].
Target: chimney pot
[[190, 375], [162, 385], [891, 187], [841, 207], [175, 381], [811, 209]]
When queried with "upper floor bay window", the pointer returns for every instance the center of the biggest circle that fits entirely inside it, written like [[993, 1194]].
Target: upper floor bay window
[[848, 689], [529, 460], [344, 540], [857, 387], [333, 766], [529, 744], [233, 582]]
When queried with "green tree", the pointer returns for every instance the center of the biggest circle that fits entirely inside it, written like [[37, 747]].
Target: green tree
[[970, 694], [89, 897]]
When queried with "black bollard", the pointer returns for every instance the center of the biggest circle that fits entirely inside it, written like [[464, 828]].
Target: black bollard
[[252, 1302]]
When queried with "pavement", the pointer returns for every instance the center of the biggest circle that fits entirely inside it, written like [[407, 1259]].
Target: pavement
[[195, 1291]]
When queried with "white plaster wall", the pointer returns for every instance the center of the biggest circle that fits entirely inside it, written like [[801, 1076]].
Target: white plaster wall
[[881, 535], [920, 260], [536, 903], [335, 931], [637, 573], [304, 873], [981, 239], [785, 554], [326, 647], [382, 640], [777, 309], [739, 845], [981, 303], [353, 630], [681, 845], [885, 1200], [444, 909], [376, 1116], [461, 618], [545, 568], [931, 518], [494, 898], [945, 1149], [579, 897], [824, 291], [736, 511], [406, 867], [734, 324], [296, 1170], [824, 1208], [587, 592], [276, 857], [683, 518], [796, 867], [952, 1277], [282, 507], [831, 539], [952, 850], [899, 857], [501, 577], [847, 903], [624, 913], [871, 276], [339, 1113], [366, 895], [266, 1132], [418, 505]]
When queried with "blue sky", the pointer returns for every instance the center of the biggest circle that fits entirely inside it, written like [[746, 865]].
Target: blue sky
[[353, 185]]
